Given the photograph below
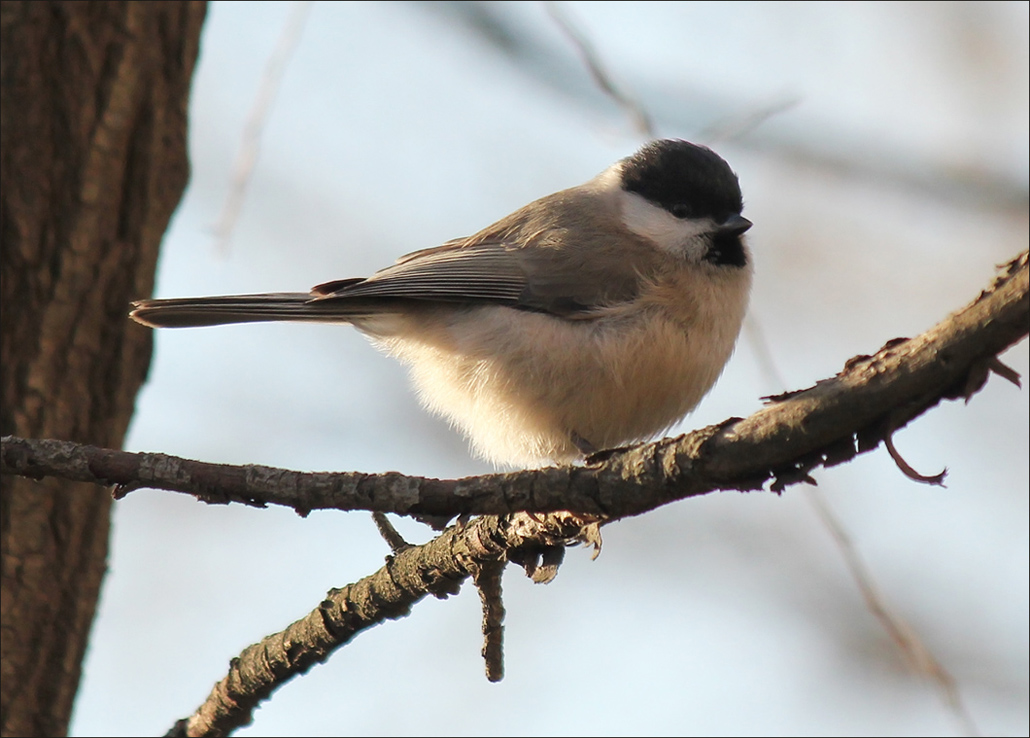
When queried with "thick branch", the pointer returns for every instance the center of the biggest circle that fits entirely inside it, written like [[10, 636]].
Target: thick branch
[[823, 425], [438, 568], [796, 432]]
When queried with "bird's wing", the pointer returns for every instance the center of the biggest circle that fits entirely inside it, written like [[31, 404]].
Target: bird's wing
[[454, 272], [521, 261]]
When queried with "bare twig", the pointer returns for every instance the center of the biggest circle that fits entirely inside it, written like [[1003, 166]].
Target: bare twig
[[734, 127], [438, 568], [823, 425], [904, 636], [250, 144], [907, 469], [731, 128], [797, 432], [762, 352], [641, 120], [1002, 369], [738, 127], [680, 108], [393, 539], [487, 578]]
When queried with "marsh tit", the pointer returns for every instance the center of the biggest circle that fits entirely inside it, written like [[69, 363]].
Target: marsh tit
[[591, 318]]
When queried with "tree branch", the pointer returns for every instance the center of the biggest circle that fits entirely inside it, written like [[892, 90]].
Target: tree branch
[[872, 397], [824, 425], [438, 568]]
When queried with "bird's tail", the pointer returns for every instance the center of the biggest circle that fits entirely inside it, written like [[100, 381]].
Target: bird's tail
[[191, 312]]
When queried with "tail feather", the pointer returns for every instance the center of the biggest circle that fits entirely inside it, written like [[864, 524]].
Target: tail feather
[[191, 312]]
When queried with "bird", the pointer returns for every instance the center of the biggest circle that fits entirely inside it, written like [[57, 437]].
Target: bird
[[592, 318]]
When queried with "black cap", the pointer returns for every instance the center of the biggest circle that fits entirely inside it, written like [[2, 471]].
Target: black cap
[[688, 180]]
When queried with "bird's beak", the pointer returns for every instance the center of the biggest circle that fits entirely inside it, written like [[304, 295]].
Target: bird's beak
[[734, 225]]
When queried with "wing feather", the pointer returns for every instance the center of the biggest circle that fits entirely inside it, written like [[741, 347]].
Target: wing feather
[[487, 272], [528, 260]]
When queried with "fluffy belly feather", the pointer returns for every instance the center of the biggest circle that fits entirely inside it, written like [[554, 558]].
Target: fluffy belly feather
[[613, 381]]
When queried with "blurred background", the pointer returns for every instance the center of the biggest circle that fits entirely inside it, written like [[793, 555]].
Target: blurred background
[[883, 153]]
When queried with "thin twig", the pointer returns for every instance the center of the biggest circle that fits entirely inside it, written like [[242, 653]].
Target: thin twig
[[393, 539], [762, 351], [641, 120], [738, 126], [907, 469], [903, 635], [739, 454], [487, 578], [437, 568], [917, 655], [250, 143], [1002, 369], [869, 397]]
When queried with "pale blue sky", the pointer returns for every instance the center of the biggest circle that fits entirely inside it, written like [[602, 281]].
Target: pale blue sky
[[882, 198]]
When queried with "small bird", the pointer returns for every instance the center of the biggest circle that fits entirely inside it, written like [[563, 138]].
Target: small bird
[[594, 317]]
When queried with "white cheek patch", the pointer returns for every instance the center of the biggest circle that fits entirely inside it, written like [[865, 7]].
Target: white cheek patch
[[668, 232]]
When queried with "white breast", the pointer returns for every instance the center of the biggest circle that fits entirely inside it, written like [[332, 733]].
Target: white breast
[[519, 383]]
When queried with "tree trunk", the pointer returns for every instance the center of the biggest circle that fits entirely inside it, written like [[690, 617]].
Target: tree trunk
[[92, 165]]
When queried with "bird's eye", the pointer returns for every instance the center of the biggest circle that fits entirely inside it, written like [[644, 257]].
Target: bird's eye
[[680, 210]]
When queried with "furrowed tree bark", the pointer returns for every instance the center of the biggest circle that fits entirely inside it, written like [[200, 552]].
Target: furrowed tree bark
[[796, 432], [779, 445], [92, 165]]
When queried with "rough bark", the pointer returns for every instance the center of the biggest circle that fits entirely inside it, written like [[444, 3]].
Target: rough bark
[[824, 425], [93, 163], [780, 444]]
